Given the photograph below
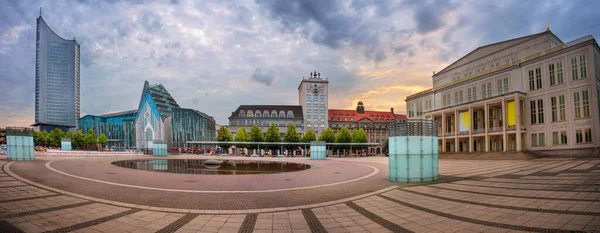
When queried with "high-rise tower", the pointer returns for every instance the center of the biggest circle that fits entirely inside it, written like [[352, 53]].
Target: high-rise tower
[[56, 80], [313, 95]]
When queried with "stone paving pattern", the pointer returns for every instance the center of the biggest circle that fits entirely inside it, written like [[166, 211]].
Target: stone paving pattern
[[543, 195]]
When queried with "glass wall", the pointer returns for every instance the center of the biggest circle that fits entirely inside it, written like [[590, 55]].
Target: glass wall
[[191, 125]]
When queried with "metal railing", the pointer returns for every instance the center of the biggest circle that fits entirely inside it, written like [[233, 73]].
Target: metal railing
[[449, 133], [478, 131], [412, 127], [511, 127], [495, 129]]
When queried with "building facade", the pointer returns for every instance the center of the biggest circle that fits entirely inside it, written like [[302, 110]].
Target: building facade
[[57, 80], [533, 93], [246, 116], [313, 96], [374, 123], [158, 118]]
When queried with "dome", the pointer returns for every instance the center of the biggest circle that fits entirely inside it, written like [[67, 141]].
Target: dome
[[360, 103]]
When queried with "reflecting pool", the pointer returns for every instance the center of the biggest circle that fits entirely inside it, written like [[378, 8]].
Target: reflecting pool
[[211, 166]]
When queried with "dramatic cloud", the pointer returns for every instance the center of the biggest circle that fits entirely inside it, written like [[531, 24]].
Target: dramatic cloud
[[263, 76], [215, 55]]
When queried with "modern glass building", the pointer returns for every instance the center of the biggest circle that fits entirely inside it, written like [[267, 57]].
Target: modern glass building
[[191, 125], [158, 118], [56, 80]]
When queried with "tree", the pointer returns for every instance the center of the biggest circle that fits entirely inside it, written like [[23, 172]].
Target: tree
[[273, 136], [309, 136], [343, 136], [56, 136], [90, 138], [256, 135], [327, 136], [223, 135], [78, 138], [44, 138], [359, 136], [386, 148], [291, 136], [36, 137], [241, 136], [102, 139], [69, 134]]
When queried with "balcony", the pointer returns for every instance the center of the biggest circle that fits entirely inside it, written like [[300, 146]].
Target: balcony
[[463, 133], [478, 131], [449, 133], [496, 129], [511, 127]]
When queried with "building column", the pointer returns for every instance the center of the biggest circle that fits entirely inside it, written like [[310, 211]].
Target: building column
[[456, 130], [443, 132], [518, 125], [486, 127], [504, 125], [471, 129]]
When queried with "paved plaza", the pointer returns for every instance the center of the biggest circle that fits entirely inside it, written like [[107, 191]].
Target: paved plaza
[[336, 195]]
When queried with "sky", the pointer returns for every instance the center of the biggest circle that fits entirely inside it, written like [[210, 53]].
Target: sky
[[216, 55]]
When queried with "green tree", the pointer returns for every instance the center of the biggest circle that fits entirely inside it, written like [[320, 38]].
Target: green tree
[[55, 136], [241, 136], [343, 136], [69, 134], [90, 138], [44, 138], [386, 147], [256, 135], [273, 136], [223, 135], [102, 139], [78, 139], [327, 136], [359, 136], [36, 137], [291, 136], [309, 136]]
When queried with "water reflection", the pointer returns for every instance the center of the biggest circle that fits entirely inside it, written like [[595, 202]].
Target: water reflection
[[199, 166]]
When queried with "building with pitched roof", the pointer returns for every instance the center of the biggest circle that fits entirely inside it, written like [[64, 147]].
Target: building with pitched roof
[[246, 116], [533, 93], [374, 123]]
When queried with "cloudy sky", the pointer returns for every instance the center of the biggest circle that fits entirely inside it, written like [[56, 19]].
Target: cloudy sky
[[216, 55]]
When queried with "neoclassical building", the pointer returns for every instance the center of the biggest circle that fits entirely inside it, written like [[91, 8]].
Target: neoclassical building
[[374, 123], [533, 93]]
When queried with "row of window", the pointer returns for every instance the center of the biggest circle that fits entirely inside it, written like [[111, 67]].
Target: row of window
[[581, 107], [264, 122], [266, 114], [315, 96], [555, 73], [560, 137], [314, 102], [507, 60]]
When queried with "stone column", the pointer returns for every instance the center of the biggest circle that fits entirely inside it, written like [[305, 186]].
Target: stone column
[[518, 126], [443, 132], [486, 127], [456, 130], [504, 136], [471, 129]]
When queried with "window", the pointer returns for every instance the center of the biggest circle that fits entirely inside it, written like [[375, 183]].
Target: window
[[554, 108], [505, 85], [582, 104], [538, 139], [583, 135], [561, 108], [315, 102], [489, 89], [499, 86], [558, 108], [308, 101], [460, 96], [574, 68], [474, 92], [537, 111], [531, 81], [308, 96], [455, 97], [582, 67], [538, 78], [559, 73], [559, 138], [469, 94]]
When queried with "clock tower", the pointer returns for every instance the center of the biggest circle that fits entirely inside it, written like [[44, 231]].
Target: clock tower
[[313, 96]]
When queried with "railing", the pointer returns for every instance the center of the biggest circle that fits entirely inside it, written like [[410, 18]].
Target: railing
[[511, 127], [412, 127], [495, 129], [449, 133], [478, 131], [463, 132]]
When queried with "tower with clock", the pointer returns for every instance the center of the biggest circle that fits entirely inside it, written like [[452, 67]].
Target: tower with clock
[[313, 96]]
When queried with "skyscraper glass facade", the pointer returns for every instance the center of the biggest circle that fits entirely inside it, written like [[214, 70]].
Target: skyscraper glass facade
[[191, 125], [57, 80]]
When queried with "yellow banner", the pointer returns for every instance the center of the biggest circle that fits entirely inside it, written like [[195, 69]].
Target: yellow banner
[[465, 122], [511, 114]]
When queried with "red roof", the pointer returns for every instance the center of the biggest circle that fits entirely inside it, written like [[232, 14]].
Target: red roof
[[354, 116]]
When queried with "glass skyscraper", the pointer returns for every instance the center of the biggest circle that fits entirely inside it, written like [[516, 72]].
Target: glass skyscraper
[[56, 80]]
